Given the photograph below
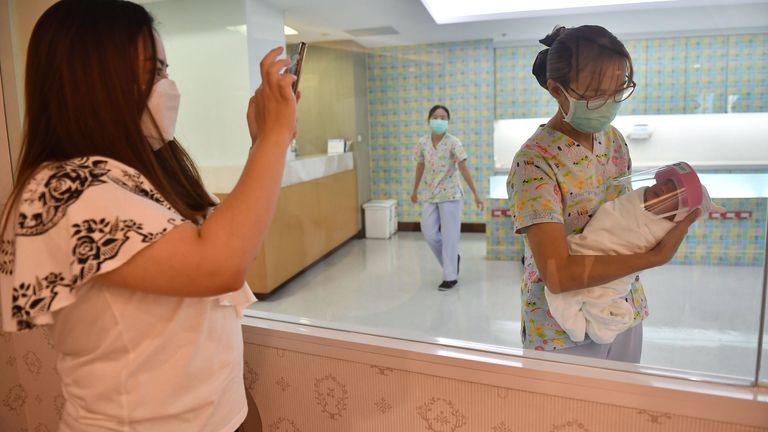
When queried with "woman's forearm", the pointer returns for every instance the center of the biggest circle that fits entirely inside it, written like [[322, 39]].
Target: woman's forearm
[[212, 259], [237, 227]]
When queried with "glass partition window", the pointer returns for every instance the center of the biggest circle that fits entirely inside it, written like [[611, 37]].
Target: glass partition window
[[701, 74]]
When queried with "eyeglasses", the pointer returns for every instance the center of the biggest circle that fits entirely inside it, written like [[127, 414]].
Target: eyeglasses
[[596, 102]]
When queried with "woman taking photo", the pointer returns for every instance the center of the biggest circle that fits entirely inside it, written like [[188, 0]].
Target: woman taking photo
[[561, 176], [110, 237]]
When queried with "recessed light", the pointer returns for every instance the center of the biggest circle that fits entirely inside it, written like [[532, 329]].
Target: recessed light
[[455, 11], [243, 30]]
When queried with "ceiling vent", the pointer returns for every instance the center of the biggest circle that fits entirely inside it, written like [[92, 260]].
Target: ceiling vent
[[373, 31]]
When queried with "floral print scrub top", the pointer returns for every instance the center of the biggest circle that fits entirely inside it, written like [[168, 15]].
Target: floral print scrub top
[[555, 179], [440, 170]]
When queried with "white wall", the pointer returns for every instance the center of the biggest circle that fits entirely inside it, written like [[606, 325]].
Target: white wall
[[17, 19], [716, 140], [6, 174], [216, 68], [265, 31]]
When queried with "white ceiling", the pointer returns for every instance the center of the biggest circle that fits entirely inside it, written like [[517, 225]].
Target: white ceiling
[[330, 20], [325, 20]]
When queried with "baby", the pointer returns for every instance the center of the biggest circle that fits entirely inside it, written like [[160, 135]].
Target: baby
[[632, 223]]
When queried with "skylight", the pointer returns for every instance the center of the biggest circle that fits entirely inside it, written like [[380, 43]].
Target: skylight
[[456, 11]]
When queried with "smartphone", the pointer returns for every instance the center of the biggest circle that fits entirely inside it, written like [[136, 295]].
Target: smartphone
[[297, 58]]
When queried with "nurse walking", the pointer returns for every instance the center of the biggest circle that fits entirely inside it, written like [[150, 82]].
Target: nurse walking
[[438, 155]]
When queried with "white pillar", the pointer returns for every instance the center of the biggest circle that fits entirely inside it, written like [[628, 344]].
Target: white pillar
[[265, 31]]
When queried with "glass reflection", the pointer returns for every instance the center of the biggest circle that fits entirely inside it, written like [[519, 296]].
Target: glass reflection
[[705, 304]]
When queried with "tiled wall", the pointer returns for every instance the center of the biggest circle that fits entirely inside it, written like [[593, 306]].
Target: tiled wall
[[748, 71], [738, 242], [727, 242], [518, 94], [501, 242], [300, 392], [479, 83], [683, 75], [403, 84]]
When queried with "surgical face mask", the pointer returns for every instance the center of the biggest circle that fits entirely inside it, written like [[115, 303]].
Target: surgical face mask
[[590, 120], [438, 126], [163, 105]]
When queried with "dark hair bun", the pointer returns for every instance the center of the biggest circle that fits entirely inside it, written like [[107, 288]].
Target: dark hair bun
[[552, 36], [539, 68]]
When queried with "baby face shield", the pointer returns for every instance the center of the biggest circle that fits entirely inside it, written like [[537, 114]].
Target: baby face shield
[[670, 190]]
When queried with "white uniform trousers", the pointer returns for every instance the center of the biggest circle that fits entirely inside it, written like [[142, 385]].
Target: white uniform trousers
[[441, 226]]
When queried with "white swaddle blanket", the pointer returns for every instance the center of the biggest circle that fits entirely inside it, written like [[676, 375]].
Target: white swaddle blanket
[[619, 227]]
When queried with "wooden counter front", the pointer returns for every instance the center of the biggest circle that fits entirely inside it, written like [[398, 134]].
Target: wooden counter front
[[312, 218]]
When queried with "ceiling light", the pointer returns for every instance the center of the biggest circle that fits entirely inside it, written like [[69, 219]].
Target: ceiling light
[[455, 11], [243, 30]]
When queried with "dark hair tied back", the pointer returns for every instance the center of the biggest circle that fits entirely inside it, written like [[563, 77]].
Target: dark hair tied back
[[539, 68], [572, 50], [552, 36]]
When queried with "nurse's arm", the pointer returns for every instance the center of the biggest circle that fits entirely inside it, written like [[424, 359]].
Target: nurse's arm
[[564, 272], [468, 178], [417, 181]]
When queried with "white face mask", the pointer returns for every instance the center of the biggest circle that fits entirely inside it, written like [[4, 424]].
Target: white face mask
[[163, 105]]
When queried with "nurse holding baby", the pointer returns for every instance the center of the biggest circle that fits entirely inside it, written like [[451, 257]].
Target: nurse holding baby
[[561, 176]]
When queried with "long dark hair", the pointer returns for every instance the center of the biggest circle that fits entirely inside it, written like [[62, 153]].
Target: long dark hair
[[570, 50], [84, 97]]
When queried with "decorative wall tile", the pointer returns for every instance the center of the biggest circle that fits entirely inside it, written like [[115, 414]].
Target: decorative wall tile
[[637, 103], [727, 241], [440, 415], [30, 396], [408, 401], [747, 82], [479, 84], [403, 83], [11, 418], [333, 395], [708, 242], [518, 93], [705, 74], [701, 74], [665, 76], [501, 242]]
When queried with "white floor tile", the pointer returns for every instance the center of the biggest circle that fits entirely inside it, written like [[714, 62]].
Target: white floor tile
[[703, 318]]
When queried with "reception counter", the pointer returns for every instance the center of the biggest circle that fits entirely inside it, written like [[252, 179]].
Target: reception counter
[[317, 211], [736, 237]]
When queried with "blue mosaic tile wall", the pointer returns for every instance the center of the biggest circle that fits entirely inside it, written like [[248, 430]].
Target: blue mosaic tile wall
[[727, 241], [739, 242], [479, 84], [403, 84], [519, 95], [684, 75]]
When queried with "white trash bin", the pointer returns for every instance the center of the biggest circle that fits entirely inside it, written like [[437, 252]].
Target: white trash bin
[[380, 218]]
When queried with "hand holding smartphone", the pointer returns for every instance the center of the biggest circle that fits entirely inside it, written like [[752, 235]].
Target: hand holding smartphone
[[297, 58]]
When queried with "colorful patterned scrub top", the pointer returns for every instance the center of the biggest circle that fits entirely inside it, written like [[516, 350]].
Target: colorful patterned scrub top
[[555, 179], [441, 177]]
